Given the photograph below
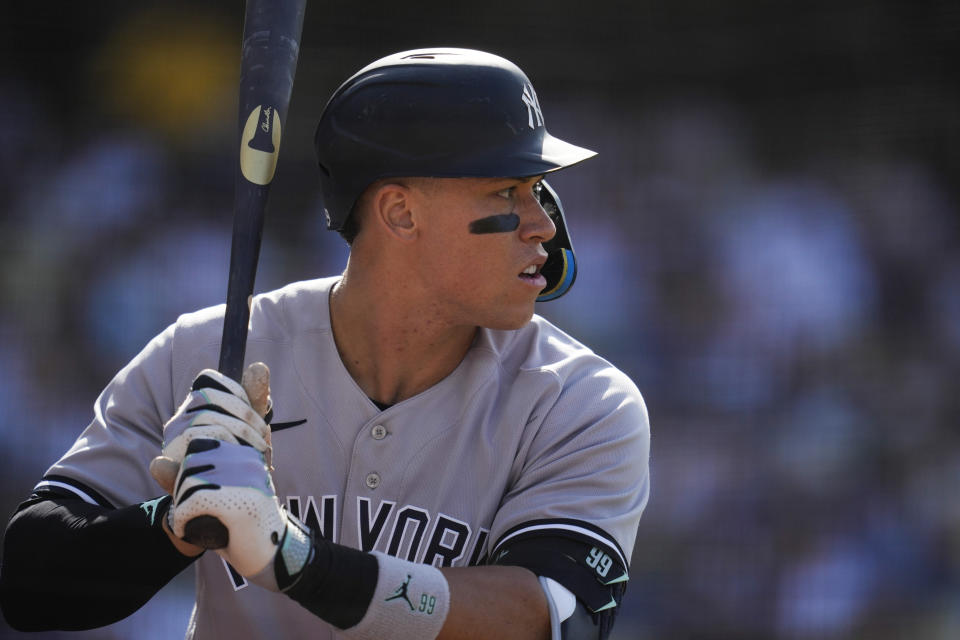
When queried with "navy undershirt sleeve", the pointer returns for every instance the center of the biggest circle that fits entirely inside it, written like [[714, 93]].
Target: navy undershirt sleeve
[[71, 565]]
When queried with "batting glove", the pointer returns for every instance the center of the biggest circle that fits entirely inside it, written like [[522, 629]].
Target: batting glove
[[217, 408], [232, 483]]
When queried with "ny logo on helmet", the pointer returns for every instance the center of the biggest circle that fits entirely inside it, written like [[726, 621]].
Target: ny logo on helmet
[[534, 115]]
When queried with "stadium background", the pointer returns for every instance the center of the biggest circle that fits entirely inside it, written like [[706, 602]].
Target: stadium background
[[768, 245]]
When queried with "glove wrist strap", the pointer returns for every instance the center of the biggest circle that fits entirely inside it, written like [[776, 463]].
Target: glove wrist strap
[[296, 550]]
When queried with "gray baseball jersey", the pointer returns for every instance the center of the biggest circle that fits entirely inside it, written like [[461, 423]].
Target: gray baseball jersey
[[532, 431]]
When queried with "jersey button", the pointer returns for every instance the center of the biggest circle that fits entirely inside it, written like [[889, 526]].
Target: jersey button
[[373, 480], [379, 432]]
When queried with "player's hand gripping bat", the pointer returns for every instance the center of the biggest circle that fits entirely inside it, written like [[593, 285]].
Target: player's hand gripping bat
[[271, 45]]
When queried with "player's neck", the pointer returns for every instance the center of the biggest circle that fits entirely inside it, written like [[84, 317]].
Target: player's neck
[[391, 345]]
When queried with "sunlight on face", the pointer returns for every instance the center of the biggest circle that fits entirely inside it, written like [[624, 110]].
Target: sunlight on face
[[480, 247]]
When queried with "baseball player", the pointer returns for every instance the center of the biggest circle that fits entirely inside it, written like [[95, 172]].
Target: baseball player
[[414, 453]]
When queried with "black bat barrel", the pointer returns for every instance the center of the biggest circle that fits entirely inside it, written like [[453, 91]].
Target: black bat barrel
[[271, 46]]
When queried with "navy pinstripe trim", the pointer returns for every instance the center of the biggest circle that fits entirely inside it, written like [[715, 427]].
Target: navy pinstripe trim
[[54, 483], [567, 527]]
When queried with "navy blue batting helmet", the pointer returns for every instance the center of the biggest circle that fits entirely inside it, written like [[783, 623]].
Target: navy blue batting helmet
[[445, 113]]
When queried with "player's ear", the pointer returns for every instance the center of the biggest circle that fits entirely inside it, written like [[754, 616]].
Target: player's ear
[[393, 210]]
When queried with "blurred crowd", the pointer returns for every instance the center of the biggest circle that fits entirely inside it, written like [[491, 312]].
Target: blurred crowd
[[794, 325], [795, 336]]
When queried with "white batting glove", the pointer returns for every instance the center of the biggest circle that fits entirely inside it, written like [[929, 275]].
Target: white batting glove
[[218, 408], [232, 483]]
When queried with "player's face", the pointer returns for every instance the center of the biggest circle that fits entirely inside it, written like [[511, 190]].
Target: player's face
[[482, 248]]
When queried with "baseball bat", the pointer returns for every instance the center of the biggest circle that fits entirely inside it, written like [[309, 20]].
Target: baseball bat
[[268, 64]]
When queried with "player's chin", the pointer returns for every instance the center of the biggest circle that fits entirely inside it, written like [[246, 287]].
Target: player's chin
[[514, 317], [511, 308]]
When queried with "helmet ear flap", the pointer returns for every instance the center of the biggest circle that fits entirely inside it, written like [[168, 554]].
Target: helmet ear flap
[[560, 269]]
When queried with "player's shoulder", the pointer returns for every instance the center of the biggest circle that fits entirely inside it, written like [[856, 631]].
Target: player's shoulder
[[272, 313], [294, 308], [541, 347]]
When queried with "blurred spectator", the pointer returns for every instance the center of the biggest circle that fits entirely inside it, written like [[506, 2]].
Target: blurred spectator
[[795, 284]]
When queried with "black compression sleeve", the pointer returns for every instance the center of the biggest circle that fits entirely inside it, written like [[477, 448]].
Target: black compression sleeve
[[72, 565], [337, 583]]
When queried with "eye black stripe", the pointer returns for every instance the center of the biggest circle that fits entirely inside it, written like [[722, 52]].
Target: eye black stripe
[[500, 223]]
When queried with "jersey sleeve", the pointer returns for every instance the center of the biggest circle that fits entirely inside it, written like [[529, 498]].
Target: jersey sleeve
[[585, 474], [108, 464]]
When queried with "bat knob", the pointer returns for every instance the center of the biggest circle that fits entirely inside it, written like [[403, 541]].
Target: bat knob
[[206, 532]]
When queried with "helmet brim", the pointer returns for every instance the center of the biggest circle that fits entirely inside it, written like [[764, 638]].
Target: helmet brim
[[552, 154], [561, 153]]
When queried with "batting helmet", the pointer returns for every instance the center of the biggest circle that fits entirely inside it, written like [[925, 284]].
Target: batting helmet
[[445, 113]]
